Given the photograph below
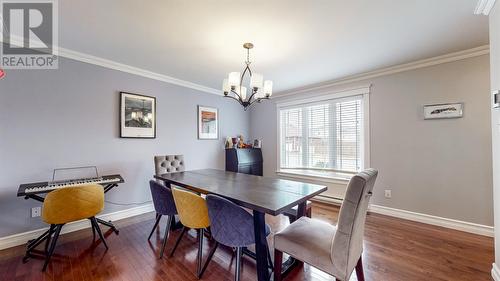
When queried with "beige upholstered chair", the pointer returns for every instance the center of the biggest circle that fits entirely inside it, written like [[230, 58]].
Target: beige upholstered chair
[[333, 249]]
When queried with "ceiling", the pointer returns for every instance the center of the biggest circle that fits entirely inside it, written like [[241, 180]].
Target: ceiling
[[297, 42]]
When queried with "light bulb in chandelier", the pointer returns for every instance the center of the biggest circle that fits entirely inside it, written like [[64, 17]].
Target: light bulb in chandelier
[[268, 88], [234, 79]]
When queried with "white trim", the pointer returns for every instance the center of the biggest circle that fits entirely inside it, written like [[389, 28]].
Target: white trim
[[90, 59], [326, 95], [434, 220], [461, 55], [495, 272], [22, 238], [366, 131], [361, 90], [315, 178], [484, 7]]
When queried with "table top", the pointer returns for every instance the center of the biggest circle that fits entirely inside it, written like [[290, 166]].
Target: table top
[[264, 194]]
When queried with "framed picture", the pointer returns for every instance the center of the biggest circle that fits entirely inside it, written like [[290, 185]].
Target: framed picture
[[440, 111], [208, 123], [137, 116]]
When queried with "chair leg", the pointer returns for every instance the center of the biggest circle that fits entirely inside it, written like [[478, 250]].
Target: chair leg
[[200, 252], [47, 243], [98, 230], [158, 217], [359, 270], [52, 246], [93, 230], [269, 258], [278, 263], [178, 240], [209, 258], [239, 254], [167, 231]]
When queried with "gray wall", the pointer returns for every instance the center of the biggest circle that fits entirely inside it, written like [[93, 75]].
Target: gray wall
[[495, 114], [435, 167], [69, 117]]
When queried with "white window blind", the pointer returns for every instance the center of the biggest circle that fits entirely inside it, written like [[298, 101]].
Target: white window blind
[[324, 136]]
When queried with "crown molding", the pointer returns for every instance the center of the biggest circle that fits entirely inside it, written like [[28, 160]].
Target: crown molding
[[484, 7], [90, 59], [78, 56], [451, 57]]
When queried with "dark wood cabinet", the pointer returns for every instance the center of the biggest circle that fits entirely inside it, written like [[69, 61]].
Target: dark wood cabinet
[[244, 160]]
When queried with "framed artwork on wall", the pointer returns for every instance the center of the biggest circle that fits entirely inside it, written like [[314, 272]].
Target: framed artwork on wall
[[208, 123], [443, 111], [137, 116]]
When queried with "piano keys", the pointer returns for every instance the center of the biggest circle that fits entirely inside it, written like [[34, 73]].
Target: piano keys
[[45, 187]]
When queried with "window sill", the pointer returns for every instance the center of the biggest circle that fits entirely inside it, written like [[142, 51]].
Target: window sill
[[329, 177]]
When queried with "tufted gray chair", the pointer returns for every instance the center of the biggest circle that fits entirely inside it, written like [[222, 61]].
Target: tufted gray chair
[[164, 165], [169, 164], [335, 249]]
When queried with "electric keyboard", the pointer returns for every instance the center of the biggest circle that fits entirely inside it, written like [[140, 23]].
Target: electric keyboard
[[45, 187]]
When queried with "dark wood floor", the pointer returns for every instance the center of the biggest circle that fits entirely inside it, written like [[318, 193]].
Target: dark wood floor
[[394, 250]]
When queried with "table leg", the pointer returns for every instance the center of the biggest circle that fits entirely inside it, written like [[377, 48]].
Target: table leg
[[259, 221], [301, 210]]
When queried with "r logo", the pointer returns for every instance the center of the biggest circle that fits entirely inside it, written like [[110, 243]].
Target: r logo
[[30, 23]]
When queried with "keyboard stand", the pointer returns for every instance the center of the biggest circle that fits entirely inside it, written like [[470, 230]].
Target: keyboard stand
[[32, 244]]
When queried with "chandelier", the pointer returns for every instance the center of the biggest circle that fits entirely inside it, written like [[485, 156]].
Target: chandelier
[[259, 89]]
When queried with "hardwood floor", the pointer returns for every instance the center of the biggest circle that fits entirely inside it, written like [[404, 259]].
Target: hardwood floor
[[394, 250]]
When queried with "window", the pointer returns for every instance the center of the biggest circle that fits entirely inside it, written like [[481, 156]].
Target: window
[[323, 137]]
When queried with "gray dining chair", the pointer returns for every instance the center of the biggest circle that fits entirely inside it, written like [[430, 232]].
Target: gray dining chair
[[333, 249], [169, 164], [231, 226], [164, 204], [165, 165]]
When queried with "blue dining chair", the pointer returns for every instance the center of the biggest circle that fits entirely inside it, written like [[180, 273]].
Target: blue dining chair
[[231, 226], [164, 206]]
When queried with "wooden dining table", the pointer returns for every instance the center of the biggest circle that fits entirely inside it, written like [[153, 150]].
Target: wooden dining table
[[263, 195]]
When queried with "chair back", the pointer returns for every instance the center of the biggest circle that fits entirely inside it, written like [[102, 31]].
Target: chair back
[[73, 203], [348, 240], [192, 209], [163, 199], [169, 164], [230, 224]]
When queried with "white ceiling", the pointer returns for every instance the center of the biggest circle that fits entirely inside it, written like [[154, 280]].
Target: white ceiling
[[297, 42]]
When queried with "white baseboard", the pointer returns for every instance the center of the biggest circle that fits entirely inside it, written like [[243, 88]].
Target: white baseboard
[[22, 238], [434, 220], [495, 272]]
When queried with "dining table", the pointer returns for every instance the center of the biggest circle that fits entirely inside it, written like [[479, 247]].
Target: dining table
[[262, 195]]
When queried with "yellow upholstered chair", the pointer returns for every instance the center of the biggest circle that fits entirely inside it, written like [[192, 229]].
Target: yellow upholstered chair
[[71, 204], [193, 214]]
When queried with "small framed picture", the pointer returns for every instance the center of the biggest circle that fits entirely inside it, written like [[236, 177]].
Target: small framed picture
[[441, 111], [137, 116], [208, 123]]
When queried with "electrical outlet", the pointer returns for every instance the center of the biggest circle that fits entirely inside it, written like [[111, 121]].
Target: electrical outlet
[[36, 212], [388, 193]]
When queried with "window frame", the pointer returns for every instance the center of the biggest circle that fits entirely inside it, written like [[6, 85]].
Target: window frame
[[326, 96]]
